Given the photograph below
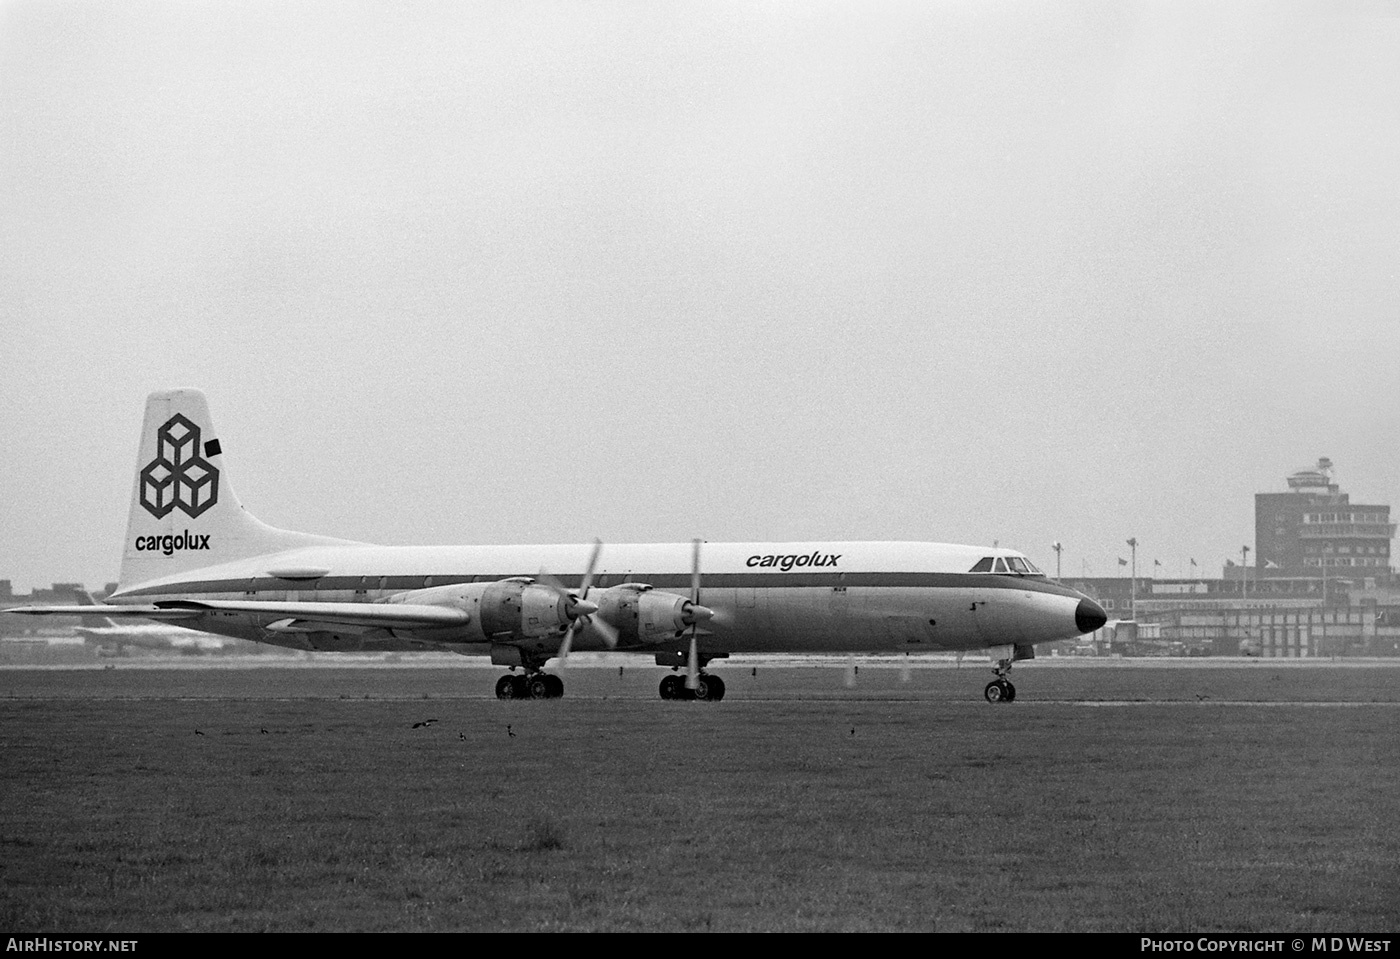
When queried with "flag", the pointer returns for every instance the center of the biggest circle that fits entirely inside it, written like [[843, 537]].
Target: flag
[[1122, 561]]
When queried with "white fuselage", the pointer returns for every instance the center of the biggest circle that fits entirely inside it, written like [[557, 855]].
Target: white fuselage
[[858, 597]]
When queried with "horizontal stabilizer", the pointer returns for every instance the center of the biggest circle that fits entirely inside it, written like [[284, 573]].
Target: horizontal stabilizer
[[120, 612]]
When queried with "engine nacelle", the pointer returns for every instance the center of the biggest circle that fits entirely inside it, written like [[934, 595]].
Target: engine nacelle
[[543, 611], [507, 609], [661, 615], [643, 616], [512, 610]]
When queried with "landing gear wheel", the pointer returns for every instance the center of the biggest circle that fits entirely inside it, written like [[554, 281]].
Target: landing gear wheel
[[673, 687], [999, 691], [539, 686], [709, 689], [556, 686], [506, 688]]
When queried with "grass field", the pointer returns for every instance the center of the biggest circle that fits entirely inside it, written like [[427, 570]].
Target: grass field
[[1255, 798]]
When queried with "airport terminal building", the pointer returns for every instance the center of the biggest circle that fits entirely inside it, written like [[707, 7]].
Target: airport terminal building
[[1314, 526], [1322, 584]]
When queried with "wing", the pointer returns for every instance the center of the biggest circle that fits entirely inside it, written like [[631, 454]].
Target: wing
[[381, 615], [384, 615]]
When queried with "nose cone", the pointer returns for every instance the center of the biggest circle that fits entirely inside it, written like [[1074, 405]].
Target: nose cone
[[1089, 616]]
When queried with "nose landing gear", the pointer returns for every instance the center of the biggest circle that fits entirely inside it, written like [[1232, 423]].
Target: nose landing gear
[[999, 691]]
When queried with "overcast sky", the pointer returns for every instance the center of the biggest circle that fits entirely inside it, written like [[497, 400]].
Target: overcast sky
[[517, 272]]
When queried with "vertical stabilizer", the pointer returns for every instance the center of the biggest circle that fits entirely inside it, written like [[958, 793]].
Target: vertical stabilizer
[[184, 512]]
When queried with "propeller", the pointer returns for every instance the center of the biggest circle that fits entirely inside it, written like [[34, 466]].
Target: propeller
[[580, 610], [692, 660]]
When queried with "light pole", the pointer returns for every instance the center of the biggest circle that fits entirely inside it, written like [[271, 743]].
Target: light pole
[[1058, 549], [1133, 606], [1322, 620], [1244, 571]]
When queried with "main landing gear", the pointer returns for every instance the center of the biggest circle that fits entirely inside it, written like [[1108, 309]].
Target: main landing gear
[[535, 685], [707, 688]]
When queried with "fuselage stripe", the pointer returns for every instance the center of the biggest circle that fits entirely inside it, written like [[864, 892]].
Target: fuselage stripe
[[674, 582]]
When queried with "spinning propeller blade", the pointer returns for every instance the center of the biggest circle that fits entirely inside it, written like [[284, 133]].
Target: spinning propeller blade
[[692, 660], [578, 608]]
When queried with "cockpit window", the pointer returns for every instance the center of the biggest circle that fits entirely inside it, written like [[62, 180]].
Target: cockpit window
[[1006, 564]]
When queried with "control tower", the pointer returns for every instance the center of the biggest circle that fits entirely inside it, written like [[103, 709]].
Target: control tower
[[1315, 525]]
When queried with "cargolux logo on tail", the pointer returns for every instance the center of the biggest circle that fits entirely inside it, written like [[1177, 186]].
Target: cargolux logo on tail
[[180, 475]]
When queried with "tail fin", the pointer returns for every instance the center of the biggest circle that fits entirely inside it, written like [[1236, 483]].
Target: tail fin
[[184, 512]]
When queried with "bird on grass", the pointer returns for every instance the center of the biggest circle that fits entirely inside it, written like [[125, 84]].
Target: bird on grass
[[508, 732], [198, 733], [425, 722]]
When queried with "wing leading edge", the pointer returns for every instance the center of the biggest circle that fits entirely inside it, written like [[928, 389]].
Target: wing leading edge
[[386, 616]]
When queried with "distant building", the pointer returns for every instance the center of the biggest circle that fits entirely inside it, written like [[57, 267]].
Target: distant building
[[1315, 527], [1280, 617]]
